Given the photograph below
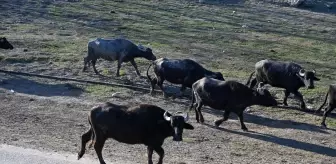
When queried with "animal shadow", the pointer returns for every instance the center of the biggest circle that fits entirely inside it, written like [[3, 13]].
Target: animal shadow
[[26, 86], [283, 141], [309, 111], [270, 122]]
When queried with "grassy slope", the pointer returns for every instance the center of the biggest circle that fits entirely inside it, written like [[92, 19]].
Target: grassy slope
[[211, 34]]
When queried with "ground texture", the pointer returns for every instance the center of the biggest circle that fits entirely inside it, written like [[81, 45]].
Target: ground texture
[[50, 38]]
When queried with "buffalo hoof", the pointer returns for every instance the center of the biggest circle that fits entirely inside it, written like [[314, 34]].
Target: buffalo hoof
[[323, 125], [317, 112], [165, 96], [80, 155], [245, 129], [303, 107], [217, 123]]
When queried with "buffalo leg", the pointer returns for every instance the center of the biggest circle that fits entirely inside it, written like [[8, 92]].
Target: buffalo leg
[[241, 119], [225, 117], [153, 83], [186, 81], [182, 89], [327, 111], [135, 66], [118, 68], [285, 98], [199, 116], [160, 152], [160, 84], [150, 154], [98, 146], [299, 96], [85, 138], [253, 82], [85, 63], [94, 66]]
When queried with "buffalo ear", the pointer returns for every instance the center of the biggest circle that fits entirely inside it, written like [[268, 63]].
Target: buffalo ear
[[316, 79], [188, 126]]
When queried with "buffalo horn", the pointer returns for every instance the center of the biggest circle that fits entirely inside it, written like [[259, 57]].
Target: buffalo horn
[[302, 71], [186, 117], [261, 85], [166, 117]]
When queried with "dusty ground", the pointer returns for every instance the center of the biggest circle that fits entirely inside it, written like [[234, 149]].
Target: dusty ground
[[52, 117], [50, 38]]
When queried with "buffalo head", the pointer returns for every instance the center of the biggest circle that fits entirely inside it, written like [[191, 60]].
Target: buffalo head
[[308, 78], [147, 53], [264, 97], [178, 122], [215, 75], [4, 44], [218, 76]]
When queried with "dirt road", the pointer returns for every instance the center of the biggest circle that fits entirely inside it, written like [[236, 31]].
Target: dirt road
[[17, 155]]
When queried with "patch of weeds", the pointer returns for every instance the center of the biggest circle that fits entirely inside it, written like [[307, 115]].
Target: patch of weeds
[[331, 122], [122, 72], [154, 45], [235, 74], [316, 92], [67, 58], [106, 71], [24, 27], [141, 61], [25, 59], [63, 46], [100, 90]]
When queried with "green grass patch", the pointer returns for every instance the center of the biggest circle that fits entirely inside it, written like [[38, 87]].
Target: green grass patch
[[122, 72], [331, 122], [29, 59], [223, 40], [101, 90]]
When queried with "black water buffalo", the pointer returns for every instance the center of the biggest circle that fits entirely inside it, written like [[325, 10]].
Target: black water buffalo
[[141, 124], [4, 44], [331, 103], [289, 76], [115, 49], [230, 96], [179, 71]]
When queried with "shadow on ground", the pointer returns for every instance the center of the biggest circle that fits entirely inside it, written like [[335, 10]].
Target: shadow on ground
[[26, 86], [284, 142], [269, 122]]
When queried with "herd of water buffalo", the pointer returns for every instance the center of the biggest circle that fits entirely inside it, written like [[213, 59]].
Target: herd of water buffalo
[[150, 125]]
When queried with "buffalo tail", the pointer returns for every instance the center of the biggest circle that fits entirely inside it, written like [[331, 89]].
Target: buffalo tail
[[92, 120], [192, 99], [149, 78], [325, 100], [248, 81]]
